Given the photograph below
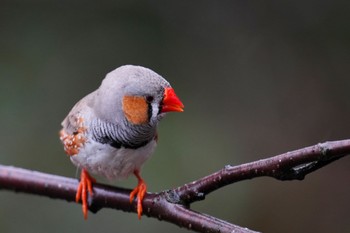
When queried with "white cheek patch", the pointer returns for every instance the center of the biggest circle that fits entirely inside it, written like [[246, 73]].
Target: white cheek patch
[[155, 110]]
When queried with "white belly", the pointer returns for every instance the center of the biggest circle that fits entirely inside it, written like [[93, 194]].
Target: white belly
[[111, 162]]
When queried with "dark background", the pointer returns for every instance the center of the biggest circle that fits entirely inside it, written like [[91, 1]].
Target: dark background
[[257, 78]]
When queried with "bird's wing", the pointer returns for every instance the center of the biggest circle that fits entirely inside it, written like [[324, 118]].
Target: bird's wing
[[75, 126], [78, 115]]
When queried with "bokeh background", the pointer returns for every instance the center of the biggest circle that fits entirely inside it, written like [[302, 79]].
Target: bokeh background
[[257, 78]]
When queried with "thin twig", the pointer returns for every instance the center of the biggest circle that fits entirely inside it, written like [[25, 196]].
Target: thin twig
[[294, 165], [173, 205]]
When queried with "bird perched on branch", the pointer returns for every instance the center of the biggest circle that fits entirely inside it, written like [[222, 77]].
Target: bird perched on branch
[[113, 130]]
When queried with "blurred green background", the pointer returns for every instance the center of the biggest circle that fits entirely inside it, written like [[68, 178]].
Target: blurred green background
[[257, 78]]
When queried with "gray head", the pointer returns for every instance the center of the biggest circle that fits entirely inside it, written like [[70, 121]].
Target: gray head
[[135, 95]]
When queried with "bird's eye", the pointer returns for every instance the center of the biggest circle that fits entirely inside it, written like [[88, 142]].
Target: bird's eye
[[149, 99]]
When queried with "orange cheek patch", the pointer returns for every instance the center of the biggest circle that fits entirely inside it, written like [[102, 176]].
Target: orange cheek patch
[[135, 109]]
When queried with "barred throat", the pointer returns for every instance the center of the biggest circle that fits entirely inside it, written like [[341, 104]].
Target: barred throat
[[116, 136]]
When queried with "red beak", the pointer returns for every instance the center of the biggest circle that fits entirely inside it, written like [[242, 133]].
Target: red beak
[[171, 103]]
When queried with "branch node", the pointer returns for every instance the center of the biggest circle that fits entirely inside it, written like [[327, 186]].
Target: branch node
[[324, 149], [172, 197]]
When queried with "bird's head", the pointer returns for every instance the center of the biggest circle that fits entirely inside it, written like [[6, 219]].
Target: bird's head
[[136, 95]]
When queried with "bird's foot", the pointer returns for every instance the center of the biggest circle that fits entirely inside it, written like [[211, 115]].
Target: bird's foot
[[139, 191], [84, 187]]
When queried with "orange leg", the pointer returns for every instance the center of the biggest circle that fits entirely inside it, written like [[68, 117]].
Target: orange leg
[[84, 187], [140, 191]]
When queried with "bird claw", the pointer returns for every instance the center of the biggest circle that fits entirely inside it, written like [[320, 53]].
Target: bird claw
[[140, 192], [85, 186]]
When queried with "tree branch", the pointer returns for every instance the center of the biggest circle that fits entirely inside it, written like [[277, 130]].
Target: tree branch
[[294, 165], [173, 205], [154, 204]]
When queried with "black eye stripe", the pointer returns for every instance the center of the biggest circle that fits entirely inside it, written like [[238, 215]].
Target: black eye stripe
[[149, 100], [150, 111]]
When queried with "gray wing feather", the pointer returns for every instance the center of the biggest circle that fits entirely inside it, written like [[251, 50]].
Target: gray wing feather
[[82, 108]]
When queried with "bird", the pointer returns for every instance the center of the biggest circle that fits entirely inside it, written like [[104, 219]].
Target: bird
[[112, 131]]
